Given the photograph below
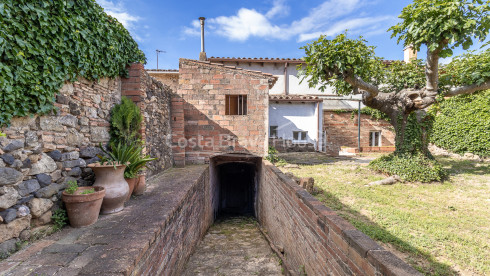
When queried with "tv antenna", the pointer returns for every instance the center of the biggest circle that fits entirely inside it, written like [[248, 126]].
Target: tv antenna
[[159, 51]]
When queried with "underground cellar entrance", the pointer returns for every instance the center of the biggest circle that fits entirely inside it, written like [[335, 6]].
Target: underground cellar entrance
[[234, 179]]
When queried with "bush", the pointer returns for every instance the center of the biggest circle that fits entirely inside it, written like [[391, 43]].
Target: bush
[[45, 43], [409, 167], [462, 124], [125, 122], [272, 155]]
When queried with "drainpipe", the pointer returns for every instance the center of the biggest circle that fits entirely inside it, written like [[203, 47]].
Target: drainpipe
[[359, 127], [286, 78], [202, 54], [318, 126]]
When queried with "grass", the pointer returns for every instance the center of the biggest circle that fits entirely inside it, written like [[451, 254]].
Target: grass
[[439, 228]]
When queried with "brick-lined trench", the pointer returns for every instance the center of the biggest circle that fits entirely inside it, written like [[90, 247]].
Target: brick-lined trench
[[233, 246]]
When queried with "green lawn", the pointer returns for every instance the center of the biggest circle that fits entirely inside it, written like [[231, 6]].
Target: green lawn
[[439, 228]]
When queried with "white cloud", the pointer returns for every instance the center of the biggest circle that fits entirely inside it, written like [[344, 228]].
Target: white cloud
[[322, 19], [118, 10]]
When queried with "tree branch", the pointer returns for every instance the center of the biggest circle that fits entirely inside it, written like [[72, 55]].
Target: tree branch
[[357, 82], [432, 70], [468, 89]]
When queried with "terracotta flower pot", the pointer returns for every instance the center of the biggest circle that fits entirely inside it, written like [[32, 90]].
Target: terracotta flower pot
[[140, 187], [112, 179], [83, 209], [131, 184]]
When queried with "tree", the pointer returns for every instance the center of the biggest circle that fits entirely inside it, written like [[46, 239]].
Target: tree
[[405, 91]]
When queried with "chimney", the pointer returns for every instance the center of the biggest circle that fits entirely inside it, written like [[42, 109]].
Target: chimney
[[202, 54], [409, 54]]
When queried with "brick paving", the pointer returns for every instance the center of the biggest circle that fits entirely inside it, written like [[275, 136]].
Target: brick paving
[[114, 244]]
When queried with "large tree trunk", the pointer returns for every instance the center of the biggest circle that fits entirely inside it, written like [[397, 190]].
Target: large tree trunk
[[410, 124]]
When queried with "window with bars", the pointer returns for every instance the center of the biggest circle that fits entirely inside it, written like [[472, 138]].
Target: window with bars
[[236, 105], [299, 135], [273, 131], [375, 138]]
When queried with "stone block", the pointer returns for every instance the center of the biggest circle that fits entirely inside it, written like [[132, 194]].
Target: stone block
[[9, 176], [8, 158], [8, 215], [31, 139], [45, 164], [49, 191], [69, 120], [50, 123], [74, 163], [43, 179], [99, 134], [13, 229], [23, 211], [55, 155], [28, 186], [43, 219], [74, 155], [90, 152], [8, 197], [39, 206], [14, 145], [8, 247]]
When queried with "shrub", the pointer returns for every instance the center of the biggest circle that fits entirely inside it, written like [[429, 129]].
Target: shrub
[[60, 219], [409, 167], [272, 155], [462, 124], [45, 43], [125, 122]]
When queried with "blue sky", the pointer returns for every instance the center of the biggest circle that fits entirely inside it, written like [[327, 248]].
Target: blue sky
[[251, 28]]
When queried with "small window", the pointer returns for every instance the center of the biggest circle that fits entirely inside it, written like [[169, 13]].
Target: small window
[[375, 138], [236, 105], [299, 135], [273, 131]]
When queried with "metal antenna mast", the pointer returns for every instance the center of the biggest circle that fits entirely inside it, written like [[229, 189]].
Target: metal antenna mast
[[159, 51]]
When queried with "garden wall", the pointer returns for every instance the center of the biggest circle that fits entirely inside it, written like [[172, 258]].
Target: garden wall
[[313, 238], [41, 153]]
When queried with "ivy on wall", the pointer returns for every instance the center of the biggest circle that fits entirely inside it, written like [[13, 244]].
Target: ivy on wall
[[44, 43], [462, 124]]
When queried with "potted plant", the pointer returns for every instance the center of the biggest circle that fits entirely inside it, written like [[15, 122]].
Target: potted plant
[[132, 156], [140, 186], [110, 175], [82, 204]]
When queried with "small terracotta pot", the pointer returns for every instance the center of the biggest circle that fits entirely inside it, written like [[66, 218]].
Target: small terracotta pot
[[112, 179], [131, 184], [140, 187], [83, 210]]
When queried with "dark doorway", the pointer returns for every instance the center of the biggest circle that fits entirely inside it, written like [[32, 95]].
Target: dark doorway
[[236, 189]]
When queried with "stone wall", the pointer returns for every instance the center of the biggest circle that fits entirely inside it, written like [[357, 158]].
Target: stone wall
[[199, 124], [167, 77], [153, 98], [41, 154], [312, 237], [342, 131]]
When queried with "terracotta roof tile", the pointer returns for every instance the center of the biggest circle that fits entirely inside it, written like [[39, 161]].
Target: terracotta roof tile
[[294, 98]]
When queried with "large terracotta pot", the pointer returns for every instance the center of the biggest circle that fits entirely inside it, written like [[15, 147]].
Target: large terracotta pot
[[112, 179], [83, 209], [140, 187], [131, 184]]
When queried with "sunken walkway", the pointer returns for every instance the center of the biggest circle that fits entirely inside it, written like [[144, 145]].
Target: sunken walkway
[[119, 244]]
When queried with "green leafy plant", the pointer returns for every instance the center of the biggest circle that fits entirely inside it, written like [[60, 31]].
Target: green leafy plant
[[49, 42], [60, 219], [131, 155], [409, 167], [72, 187], [2, 134], [88, 191], [125, 122], [462, 124], [272, 155]]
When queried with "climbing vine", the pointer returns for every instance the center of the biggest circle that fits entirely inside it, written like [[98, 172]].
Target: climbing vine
[[462, 124], [49, 42]]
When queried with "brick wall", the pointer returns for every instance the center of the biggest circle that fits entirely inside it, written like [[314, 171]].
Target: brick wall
[[153, 98], [314, 237], [342, 131], [167, 77], [181, 231], [199, 124]]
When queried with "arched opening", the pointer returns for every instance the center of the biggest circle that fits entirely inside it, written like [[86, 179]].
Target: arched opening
[[234, 179], [237, 189]]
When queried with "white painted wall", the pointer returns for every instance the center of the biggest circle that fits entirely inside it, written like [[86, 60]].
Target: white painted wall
[[277, 69], [295, 117]]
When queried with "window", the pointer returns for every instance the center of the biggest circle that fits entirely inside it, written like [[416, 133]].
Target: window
[[375, 138], [236, 105], [299, 135], [273, 131]]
